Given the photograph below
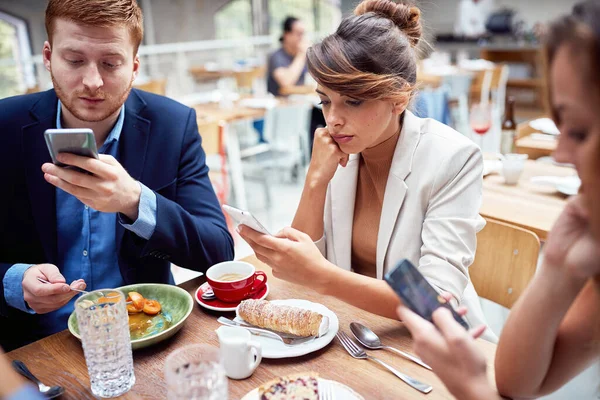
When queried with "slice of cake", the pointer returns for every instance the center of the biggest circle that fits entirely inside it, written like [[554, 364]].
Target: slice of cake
[[293, 387]]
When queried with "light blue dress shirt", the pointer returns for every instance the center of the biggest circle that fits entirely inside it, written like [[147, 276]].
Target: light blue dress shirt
[[26, 392], [86, 241]]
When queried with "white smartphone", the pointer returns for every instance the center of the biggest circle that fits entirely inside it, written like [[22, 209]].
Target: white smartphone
[[245, 218]]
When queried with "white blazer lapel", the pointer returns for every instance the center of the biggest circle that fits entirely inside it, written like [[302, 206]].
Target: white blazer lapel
[[343, 195], [395, 189]]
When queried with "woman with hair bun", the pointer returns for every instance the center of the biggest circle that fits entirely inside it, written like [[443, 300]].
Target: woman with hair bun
[[382, 184]]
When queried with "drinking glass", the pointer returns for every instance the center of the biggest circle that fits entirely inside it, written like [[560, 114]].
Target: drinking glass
[[481, 120], [195, 372], [104, 329]]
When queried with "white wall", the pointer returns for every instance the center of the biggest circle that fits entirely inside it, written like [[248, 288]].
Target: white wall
[[184, 20], [439, 15], [174, 20]]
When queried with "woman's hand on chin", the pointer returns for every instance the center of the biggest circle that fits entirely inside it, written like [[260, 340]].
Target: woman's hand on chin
[[570, 243], [292, 255], [326, 156]]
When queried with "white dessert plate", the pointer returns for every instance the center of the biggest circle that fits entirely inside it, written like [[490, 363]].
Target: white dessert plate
[[273, 348], [568, 185]]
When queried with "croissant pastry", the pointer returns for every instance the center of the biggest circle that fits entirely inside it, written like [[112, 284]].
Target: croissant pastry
[[286, 319]]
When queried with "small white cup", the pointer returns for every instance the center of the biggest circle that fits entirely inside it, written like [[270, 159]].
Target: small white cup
[[512, 167], [240, 355]]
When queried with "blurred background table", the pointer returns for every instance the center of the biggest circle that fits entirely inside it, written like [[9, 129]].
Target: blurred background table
[[528, 205]]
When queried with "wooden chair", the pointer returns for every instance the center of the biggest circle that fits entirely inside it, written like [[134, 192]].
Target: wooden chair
[[213, 143], [505, 262], [33, 89], [157, 86]]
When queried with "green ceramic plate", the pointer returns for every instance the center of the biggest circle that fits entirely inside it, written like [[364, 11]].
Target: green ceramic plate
[[177, 305]]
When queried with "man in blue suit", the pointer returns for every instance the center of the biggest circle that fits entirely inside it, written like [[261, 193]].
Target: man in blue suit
[[147, 201]]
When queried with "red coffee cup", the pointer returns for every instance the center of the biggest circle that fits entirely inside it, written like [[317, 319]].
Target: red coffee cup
[[234, 281]]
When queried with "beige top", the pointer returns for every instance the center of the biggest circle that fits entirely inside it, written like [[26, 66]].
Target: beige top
[[373, 173]]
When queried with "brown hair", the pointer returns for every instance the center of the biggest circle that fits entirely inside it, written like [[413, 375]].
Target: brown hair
[[371, 56], [102, 13], [581, 31]]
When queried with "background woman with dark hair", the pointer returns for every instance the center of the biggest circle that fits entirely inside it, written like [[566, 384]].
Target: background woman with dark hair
[[382, 184], [553, 332]]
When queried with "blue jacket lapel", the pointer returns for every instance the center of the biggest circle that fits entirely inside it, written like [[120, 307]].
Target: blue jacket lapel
[[41, 193], [133, 144]]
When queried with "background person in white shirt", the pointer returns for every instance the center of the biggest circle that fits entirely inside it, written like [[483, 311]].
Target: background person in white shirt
[[471, 17]]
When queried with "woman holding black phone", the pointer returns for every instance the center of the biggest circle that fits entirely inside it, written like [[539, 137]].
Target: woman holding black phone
[[553, 331]]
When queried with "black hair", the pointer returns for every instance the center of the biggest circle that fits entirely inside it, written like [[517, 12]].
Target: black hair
[[288, 25]]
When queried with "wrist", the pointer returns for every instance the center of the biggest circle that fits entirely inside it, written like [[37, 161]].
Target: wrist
[[480, 389], [315, 181], [563, 276], [133, 202], [327, 276]]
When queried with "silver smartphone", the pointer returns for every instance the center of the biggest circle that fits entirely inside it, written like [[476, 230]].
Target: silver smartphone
[[245, 218], [76, 141]]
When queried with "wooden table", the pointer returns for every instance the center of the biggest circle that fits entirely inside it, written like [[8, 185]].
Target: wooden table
[[531, 206], [214, 112], [228, 115], [58, 359], [526, 144], [535, 148]]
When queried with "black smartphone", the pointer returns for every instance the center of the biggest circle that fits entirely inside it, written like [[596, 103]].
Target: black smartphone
[[76, 141], [416, 293]]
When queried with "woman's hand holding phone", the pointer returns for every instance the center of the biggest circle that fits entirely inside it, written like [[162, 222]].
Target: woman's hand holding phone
[[325, 158], [451, 352]]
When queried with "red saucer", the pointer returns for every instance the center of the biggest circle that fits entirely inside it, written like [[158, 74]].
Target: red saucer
[[218, 305]]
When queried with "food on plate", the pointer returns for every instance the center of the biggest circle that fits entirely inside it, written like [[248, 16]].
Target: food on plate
[[151, 307], [299, 386], [137, 302], [285, 319]]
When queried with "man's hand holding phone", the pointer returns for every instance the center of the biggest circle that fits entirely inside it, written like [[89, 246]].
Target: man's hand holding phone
[[109, 189], [42, 297]]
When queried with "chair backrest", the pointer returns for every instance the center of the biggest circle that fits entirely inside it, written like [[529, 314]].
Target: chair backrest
[[157, 86], [33, 89], [505, 262], [212, 136], [286, 127], [480, 85], [498, 85]]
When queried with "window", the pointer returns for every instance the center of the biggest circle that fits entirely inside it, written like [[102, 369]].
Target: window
[[234, 20], [320, 17], [16, 69]]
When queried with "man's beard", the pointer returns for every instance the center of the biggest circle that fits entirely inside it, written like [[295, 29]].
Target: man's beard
[[113, 103]]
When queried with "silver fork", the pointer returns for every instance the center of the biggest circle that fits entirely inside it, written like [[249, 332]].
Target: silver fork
[[355, 351], [266, 333], [325, 390]]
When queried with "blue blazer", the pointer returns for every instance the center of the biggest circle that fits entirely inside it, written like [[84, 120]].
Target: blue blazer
[[159, 146]]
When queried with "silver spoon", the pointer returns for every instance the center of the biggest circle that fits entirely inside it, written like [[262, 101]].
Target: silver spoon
[[49, 391], [370, 340], [50, 283], [77, 290], [208, 295]]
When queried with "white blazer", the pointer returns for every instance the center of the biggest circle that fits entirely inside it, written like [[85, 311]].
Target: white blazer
[[430, 211]]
